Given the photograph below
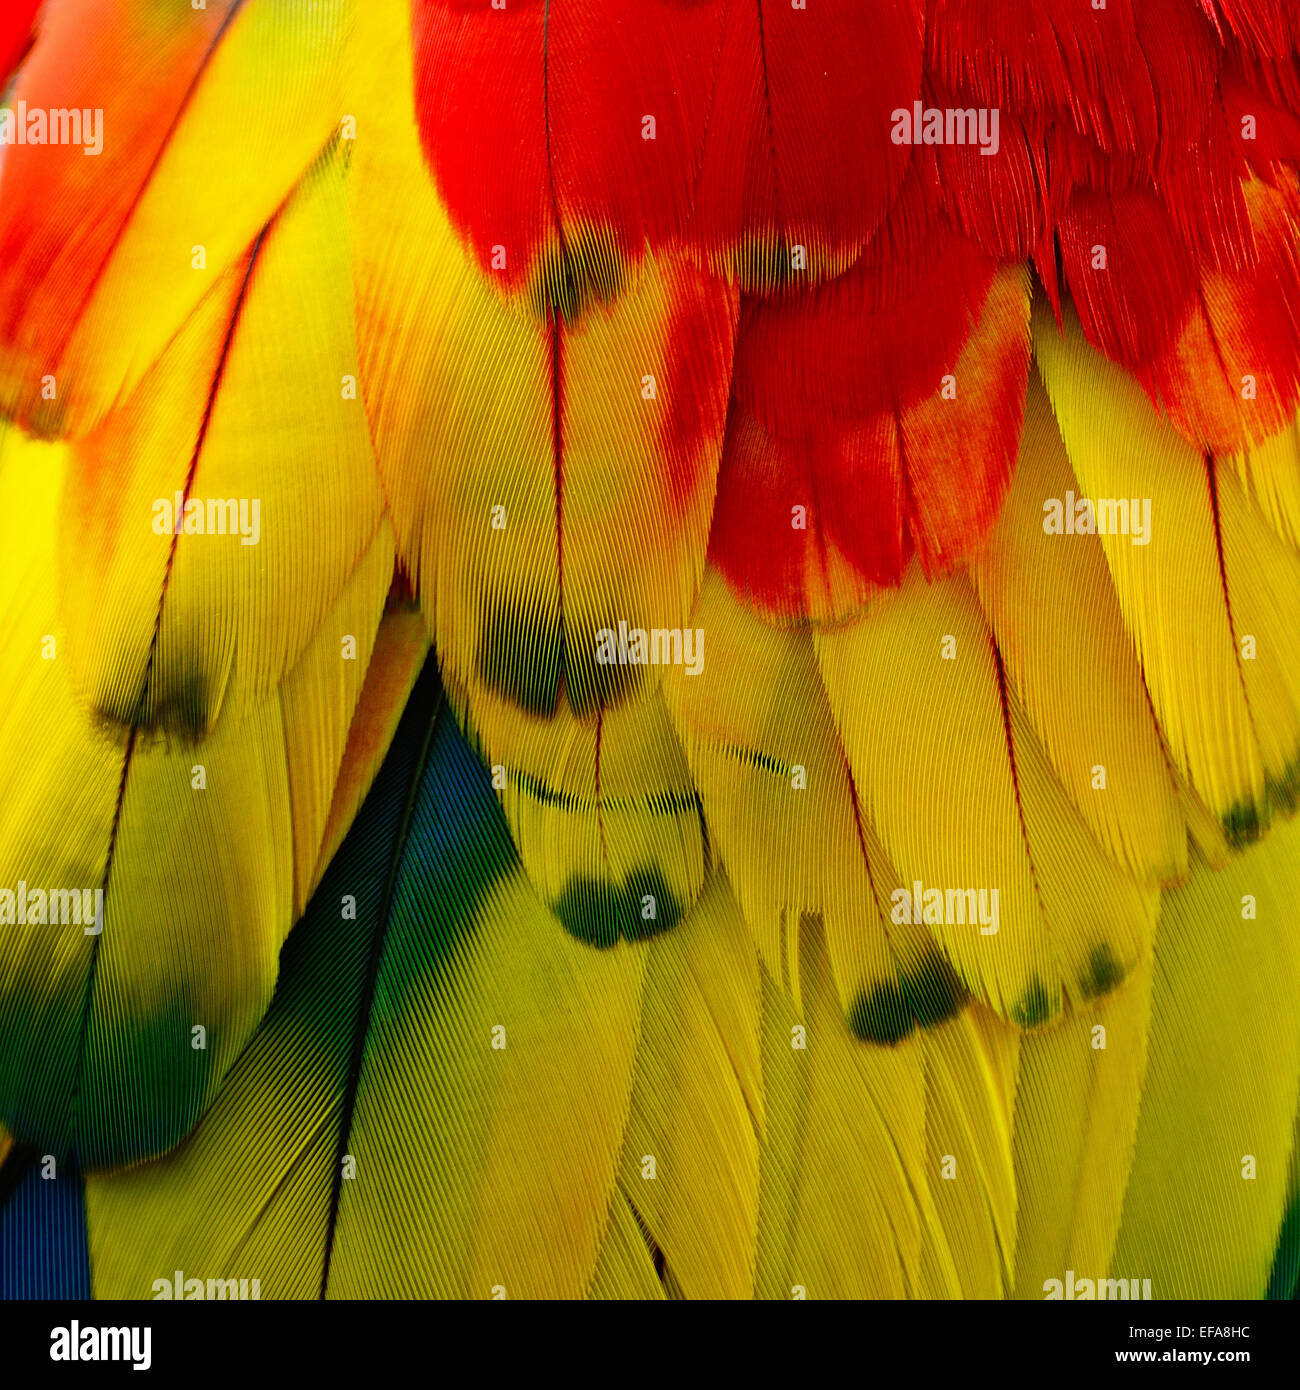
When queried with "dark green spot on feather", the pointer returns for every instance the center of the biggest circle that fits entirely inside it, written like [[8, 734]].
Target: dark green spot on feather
[[1242, 825], [521, 654], [596, 913], [934, 992], [927, 997], [881, 1015], [526, 653], [1034, 1007], [569, 278], [1102, 973]]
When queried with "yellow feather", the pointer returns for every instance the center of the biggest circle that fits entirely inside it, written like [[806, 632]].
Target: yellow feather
[[625, 1268], [843, 1149], [400, 648], [319, 700], [1270, 473], [1263, 587], [784, 815], [693, 1114], [970, 1071], [218, 180], [173, 630], [602, 810], [1076, 1117], [524, 1141], [932, 768], [1214, 1134], [965, 802], [188, 940], [1052, 606], [1171, 589]]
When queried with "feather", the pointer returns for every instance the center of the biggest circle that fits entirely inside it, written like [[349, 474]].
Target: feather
[[1051, 605], [1218, 1106], [970, 1077], [1262, 590], [1270, 474], [696, 1109], [1131, 277], [320, 705], [965, 803], [797, 96], [608, 162], [574, 495], [1131, 80], [860, 435], [114, 1039], [1215, 348], [476, 1165], [1269, 27], [401, 645], [1234, 374], [603, 811], [625, 1267], [1076, 1116], [785, 817], [843, 1149], [43, 1252], [1265, 98], [103, 258], [169, 625], [540, 522], [1002, 203], [1184, 591], [711, 119]]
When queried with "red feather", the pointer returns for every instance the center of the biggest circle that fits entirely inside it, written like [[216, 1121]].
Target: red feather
[[1266, 28], [17, 20], [838, 408], [758, 111], [532, 120]]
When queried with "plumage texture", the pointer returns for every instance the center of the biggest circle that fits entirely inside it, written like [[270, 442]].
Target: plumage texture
[[43, 1250], [753, 750], [97, 1022], [177, 632]]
